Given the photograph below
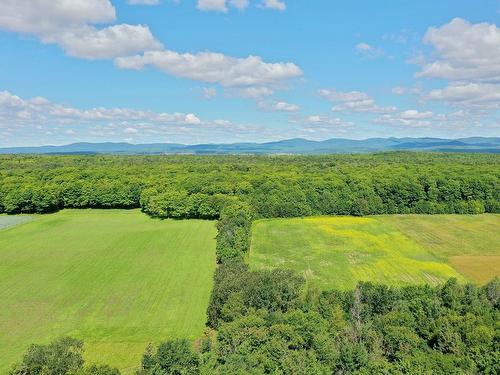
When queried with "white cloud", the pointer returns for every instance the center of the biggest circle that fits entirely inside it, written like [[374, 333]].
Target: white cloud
[[68, 24], [471, 95], [368, 51], [192, 119], [467, 56], [110, 42], [326, 120], [413, 114], [221, 5], [252, 92], [398, 120], [38, 121], [401, 90], [211, 67], [39, 111], [144, 2], [450, 123], [273, 4], [71, 25], [209, 92], [239, 4], [212, 5], [353, 101], [279, 106], [44, 17], [465, 52], [318, 127]]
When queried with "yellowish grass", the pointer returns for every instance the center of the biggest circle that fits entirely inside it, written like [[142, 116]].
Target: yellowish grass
[[397, 250], [479, 268]]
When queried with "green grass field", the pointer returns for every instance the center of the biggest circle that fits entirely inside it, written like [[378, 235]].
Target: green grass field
[[336, 252], [116, 279]]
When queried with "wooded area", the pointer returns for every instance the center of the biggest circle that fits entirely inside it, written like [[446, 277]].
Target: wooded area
[[274, 186]]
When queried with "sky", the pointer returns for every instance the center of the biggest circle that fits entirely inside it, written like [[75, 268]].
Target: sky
[[206, 71]]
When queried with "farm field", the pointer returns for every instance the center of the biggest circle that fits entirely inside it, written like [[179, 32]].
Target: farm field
[[115, 278], [336, 252]]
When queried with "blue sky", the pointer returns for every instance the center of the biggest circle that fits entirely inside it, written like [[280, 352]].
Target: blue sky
[[196, 71]]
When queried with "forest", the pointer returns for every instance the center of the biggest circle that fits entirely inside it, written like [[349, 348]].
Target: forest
[[270, 321], [274, 186]]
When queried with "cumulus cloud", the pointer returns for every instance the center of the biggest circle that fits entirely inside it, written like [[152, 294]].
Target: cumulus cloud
[[40, 111], [239, 4], [110, 42], [465, 52], [69, 24], [209, 92], [39, 121], [273, 4], [251, 92], [353, 101], [320, 126], [413, 114], [467, 56], [472, 95], [458, 121], [279, 106], [326, 120], [221, 5], [211, 67], [368, 50], [402, 90], [212, 5]]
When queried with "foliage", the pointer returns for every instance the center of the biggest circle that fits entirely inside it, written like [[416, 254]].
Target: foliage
[[233, 231], [238, 290], [63, 356], [273, 186], [174, 357]]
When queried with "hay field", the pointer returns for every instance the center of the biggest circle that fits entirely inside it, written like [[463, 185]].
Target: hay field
[[116, 279]]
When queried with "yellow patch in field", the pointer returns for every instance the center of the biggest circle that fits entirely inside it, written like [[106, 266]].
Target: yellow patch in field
[[476, 267]]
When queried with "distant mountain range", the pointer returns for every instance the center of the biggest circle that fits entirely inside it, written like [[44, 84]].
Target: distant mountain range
[[289, 146]]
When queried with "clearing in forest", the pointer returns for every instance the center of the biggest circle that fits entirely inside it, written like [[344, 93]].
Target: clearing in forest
[[337, 252], [115, 278]]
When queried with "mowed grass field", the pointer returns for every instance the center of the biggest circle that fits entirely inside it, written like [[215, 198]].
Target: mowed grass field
[[115, 278], [337, 252]]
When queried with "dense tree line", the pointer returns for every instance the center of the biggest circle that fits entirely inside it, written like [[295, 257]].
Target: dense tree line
[[274, 186]]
